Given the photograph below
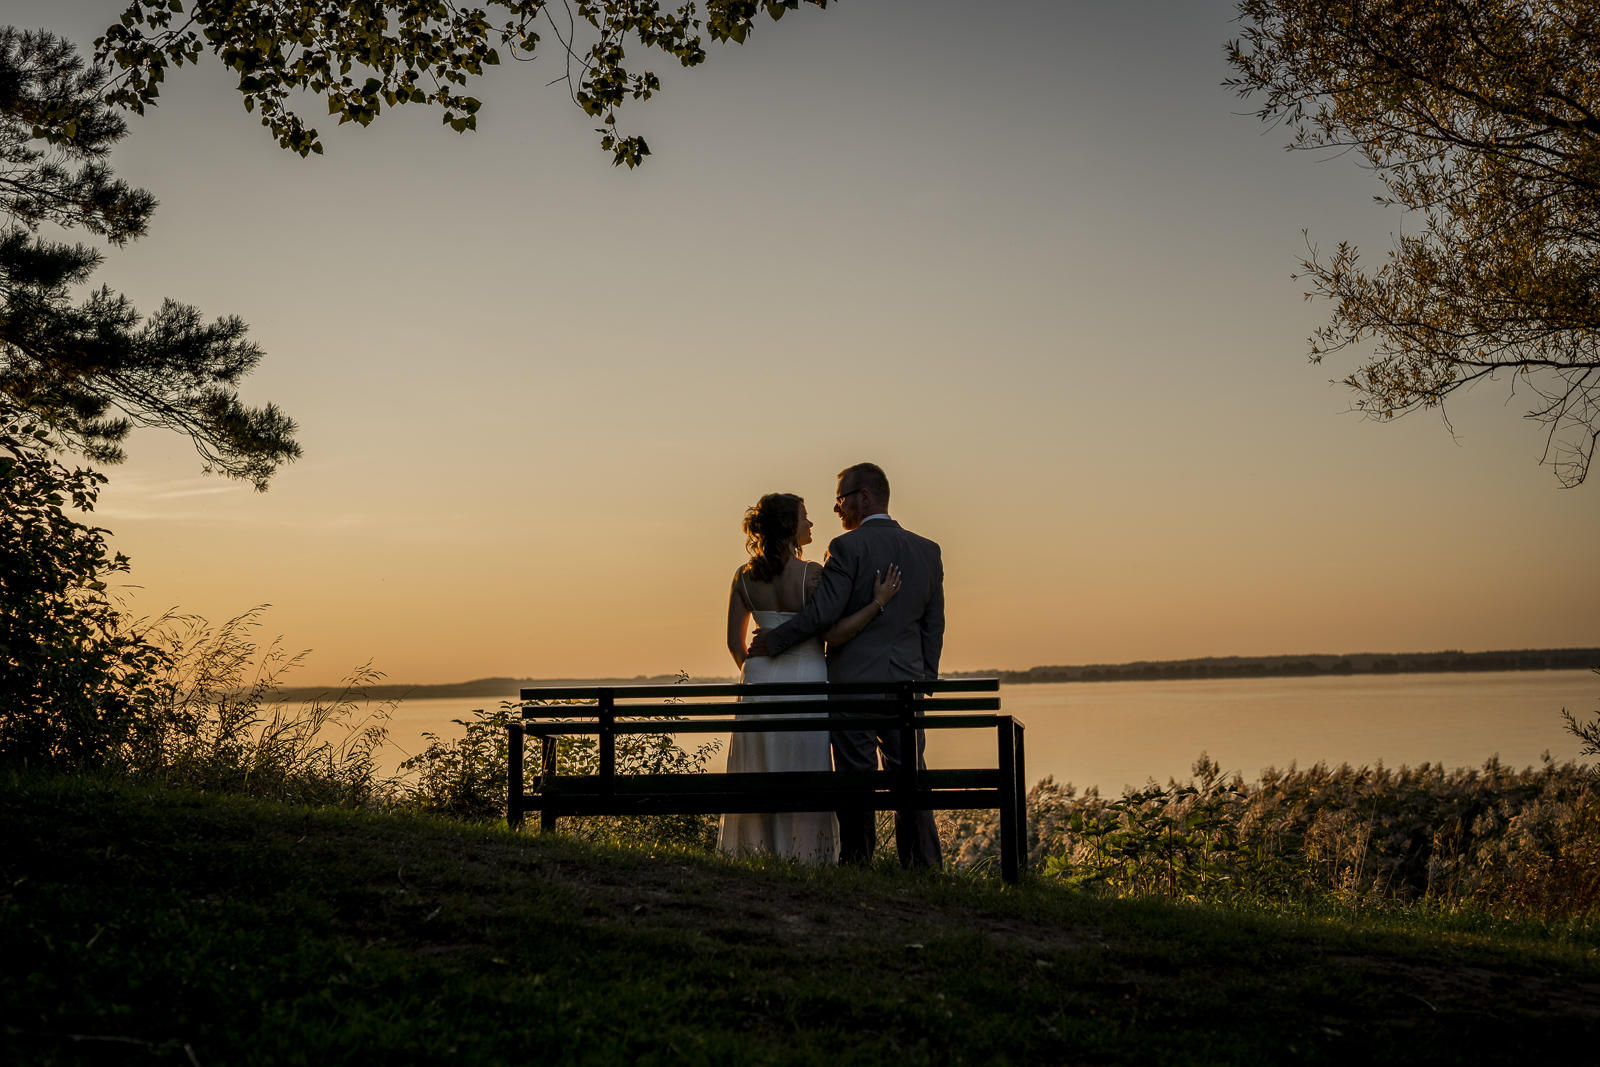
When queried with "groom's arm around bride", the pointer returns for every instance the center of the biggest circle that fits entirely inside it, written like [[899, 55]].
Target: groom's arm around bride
[[905, 642], [902, 644]]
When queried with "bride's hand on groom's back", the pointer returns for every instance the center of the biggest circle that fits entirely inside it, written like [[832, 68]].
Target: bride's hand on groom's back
[[885, 585]]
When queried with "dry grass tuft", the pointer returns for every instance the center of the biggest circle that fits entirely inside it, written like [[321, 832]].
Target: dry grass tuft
[[217, 727]]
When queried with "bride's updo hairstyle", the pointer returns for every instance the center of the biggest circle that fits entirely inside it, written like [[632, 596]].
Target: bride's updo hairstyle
[[769, 533]]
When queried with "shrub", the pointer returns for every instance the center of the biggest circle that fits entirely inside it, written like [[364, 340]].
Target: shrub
[[466, 777], [83, 687], [75, 674], [1520, 842], [1587, 732]]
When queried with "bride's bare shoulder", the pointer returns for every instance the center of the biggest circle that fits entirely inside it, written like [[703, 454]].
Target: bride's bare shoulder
[[739, 591]]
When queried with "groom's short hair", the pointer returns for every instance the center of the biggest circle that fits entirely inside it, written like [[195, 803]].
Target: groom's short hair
[[869, 476]]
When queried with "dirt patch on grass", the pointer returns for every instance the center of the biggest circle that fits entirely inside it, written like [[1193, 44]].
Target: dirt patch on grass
[[734, 907], [1447, 989]]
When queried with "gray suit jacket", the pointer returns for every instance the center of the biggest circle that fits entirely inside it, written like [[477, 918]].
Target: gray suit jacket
[[904, 641]]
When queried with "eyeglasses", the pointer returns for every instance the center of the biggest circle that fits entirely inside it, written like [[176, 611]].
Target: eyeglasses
[[839, 500]]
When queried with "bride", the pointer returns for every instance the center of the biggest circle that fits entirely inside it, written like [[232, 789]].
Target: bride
[[773, 586]]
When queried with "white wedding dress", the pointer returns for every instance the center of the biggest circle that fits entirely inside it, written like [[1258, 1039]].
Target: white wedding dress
[[808, 836]]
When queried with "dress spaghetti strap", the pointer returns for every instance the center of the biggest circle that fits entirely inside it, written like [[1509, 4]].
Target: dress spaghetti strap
[[751, 604]]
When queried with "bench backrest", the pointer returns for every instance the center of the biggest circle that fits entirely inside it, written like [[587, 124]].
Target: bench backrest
[[926, 687]]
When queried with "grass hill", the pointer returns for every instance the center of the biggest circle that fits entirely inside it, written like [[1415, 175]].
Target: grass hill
[[151, 926]]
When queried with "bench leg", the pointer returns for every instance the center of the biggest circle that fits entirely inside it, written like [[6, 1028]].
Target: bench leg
[[1010, 867], [514, 799], [1022, 799], [547, 770]]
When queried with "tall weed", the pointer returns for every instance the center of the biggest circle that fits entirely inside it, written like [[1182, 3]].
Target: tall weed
[[217, 726]]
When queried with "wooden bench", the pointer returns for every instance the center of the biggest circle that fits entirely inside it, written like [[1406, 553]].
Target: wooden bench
[[880, 707]]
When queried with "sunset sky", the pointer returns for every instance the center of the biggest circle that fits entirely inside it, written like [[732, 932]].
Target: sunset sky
[[1030, 257]]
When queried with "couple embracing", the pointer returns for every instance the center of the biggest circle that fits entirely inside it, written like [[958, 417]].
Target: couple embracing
[[873, 612]]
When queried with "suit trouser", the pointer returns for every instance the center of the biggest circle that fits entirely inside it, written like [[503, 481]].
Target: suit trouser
[[916, 835]]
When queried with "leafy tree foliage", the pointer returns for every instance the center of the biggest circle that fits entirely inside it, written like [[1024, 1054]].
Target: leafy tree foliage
[[75, 679], [1483, 118], [92, 370], [360, 55]]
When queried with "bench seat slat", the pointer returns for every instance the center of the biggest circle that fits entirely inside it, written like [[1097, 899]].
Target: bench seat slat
[[702, 803]]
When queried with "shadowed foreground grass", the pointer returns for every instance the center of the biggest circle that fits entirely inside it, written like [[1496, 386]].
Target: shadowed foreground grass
[[143, 926]]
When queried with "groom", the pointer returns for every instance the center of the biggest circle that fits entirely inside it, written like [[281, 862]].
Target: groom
[[901, 645]]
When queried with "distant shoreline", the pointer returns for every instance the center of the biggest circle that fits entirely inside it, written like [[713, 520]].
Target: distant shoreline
[[1451, 662], [1537, 659]]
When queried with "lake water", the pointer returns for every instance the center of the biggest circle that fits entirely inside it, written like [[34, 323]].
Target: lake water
[[1114, 734]]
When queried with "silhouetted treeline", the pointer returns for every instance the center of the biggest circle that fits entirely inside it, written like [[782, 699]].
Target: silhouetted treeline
[[1545, 659]]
